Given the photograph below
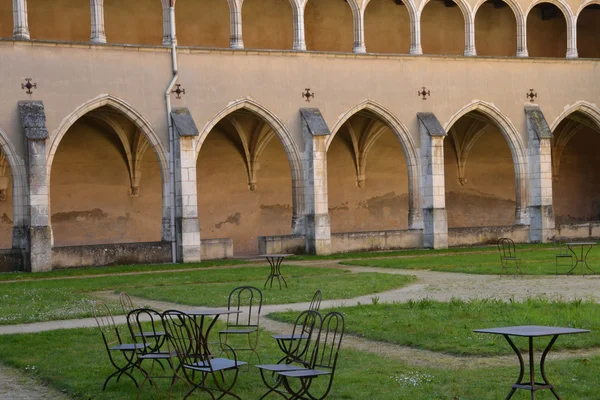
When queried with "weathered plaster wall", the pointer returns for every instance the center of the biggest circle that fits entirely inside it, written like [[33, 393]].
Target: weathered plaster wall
[[387, 27], [588, 33], [204, 23], [267, 24], [133, 21], [6, 19], [59, 20], [488, 198], [495, 31], [6, 214], [546, 38], [382, 204], [89, 198], [577, 190], [328, 25], [227, 208], [442, 29]]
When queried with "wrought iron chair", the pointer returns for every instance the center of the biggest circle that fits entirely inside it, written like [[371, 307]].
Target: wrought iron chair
[[296, 348], [315, 303], [247, 299], [508, 256], [323, 361], [114, 345], [126, 303], [146, 327], [191, 348], [561, 252]]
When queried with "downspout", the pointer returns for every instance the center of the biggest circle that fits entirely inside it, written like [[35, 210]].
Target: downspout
[[171, 133]]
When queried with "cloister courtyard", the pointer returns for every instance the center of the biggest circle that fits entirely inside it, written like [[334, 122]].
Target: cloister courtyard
[[409, 315]]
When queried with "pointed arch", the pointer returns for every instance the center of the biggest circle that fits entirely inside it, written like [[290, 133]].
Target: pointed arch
[[582, 106], [19, 191], [408, 147], [515, 144], [291, 150]]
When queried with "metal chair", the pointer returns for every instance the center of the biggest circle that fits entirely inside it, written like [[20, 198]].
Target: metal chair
[[561, 252], [508, 256], [126, 303], [188, 343], [323, 361], [247, 299], [315, 303], [146, 327], [296, 348], [114, 345]]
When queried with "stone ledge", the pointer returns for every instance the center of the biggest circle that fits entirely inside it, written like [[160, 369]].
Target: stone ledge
[[479, 235]]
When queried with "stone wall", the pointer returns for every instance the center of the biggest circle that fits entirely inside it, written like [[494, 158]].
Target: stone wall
[[486, 235], [373, 241]]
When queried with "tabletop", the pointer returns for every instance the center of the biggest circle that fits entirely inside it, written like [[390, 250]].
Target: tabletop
[[275, 255], [581, 243], [532, 331], [209, 311]]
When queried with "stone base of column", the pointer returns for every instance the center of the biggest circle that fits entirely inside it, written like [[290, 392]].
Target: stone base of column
[[359, 49], [188, 240], [40, 249], [318, 234], [435, 228], [542, 228], [19, 237], [415, 219]]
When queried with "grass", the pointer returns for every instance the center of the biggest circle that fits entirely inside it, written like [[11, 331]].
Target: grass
[[534, 261], [448, 327], [75, 362]]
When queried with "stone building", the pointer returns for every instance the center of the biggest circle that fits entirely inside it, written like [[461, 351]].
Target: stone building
[[317, 125]]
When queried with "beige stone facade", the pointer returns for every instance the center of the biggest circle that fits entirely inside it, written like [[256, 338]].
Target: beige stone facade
[[471, 161]]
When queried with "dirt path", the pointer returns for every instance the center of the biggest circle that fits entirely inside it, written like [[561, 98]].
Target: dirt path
[[15, 386]]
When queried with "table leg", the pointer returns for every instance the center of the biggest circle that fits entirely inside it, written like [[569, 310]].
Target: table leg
[[585, 264], [278, 269], [271, 275], [543, 365], [576, 260], [531, 368], [521, 363]]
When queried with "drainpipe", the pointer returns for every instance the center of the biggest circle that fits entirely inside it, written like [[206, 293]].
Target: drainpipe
[[171, 133]]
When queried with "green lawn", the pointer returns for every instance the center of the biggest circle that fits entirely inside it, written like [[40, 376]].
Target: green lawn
[[448, 327], [534, 261], [75, 361]]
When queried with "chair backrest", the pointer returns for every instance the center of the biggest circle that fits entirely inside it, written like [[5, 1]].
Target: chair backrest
[[305, 332], [315, 303], [325, 353], [247, 299], [106, 324], [126, 303], [506, 247], [184, 337], [560, 247], [144, 325]]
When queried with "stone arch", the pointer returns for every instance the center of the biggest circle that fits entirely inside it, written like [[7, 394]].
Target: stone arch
[[413, 15], [582, 106], [462, 4], [515, 144], [469, 17], [20, 188], [408, 147], [141, 123], [521, 19], [291, 150], [583, 6], [569, 19]]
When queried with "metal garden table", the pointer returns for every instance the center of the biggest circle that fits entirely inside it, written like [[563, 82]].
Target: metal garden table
[[582, 256], [203, 313], [275, 261], [531, 332]]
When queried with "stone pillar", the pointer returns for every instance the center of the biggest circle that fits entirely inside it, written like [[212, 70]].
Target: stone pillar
[[236, 40], [522, 37], [435, 219], [21, 26], [415, 34], [187, 226], [299, 37], [33, 120], [318, 229], [359, 32], [98, 35], [540, 175], [572, 38], [470, 50], [166, 12]]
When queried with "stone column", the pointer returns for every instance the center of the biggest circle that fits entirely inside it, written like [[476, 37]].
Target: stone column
[[470, 50], [236, 40], [318, 229], [166, 12], [572, 38], [359, 31], [187, 226], [299, 39], [540, 175], [98, 34], [21, 26], [522, 37], [435, 219], [33, 120], [415, 34]]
